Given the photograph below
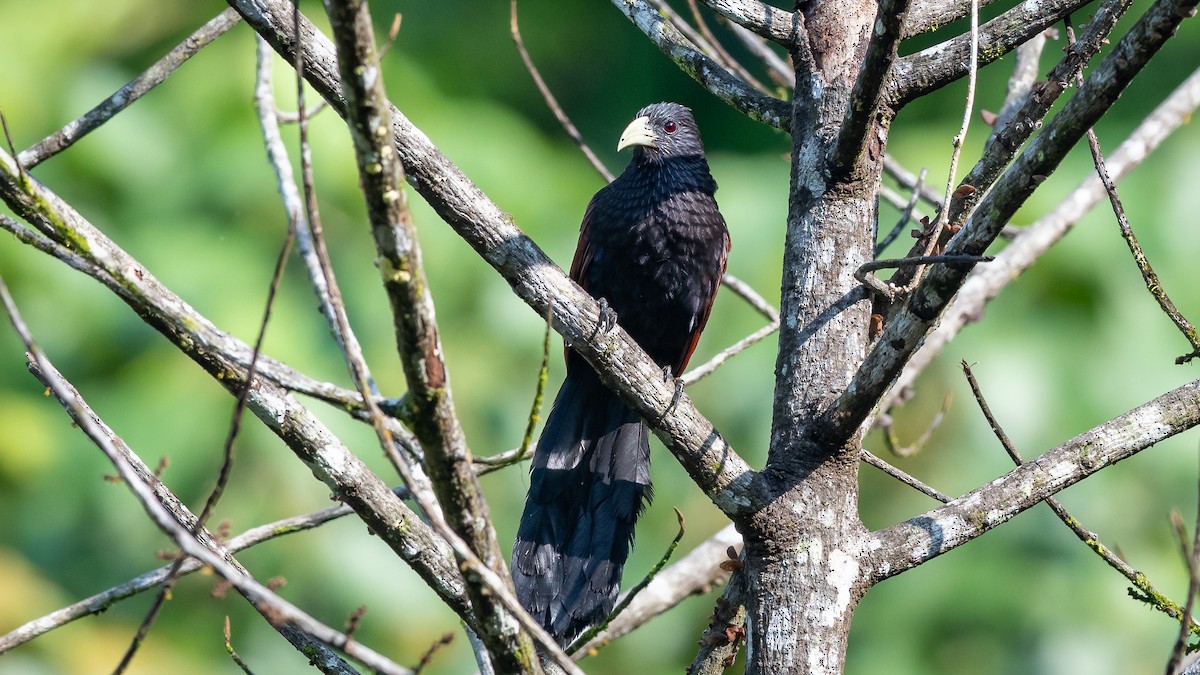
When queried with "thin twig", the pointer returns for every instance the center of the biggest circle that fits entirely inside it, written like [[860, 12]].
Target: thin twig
[[941, 222], [747, 293], [887, 263], [1192, 560], [535, 410], [233, 654], [434, 648], [263, 599], [126, 95], [900, 450], [1139, 256], [723, 57], [906, 214], [100, 602], [226, 468], [1145, 590], [710, 366], [277, 155], [552, 102], [877, 462]]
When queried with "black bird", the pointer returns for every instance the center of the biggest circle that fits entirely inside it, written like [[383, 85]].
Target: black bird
[[653, 247]]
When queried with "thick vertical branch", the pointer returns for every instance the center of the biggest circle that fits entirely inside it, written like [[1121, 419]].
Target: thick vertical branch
[[801, 560], [867, 95], [429, 405]]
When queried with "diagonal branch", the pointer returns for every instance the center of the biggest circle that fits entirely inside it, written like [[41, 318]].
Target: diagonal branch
[[1089, 538], [929, 15], [95, 604], [717, 469], [772, 23], [135, 89], [429, 405], [987, 282], [905, 545], [718, 81], [174, 519], [930, 69], [1004, 142], [916, 317], [222, 357]]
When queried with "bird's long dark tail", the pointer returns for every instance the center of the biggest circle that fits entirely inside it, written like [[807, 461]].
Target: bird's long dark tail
[[589, 482]]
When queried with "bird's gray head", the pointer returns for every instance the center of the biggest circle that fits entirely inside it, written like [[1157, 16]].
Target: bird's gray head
[[662, 131]]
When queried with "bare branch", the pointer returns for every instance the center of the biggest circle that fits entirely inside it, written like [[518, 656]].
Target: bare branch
[[1139, 580], [135, 89], [930, 69], [912, 320], [100, 602], [721, 474], [877, 462], [900, 450], [708, 367], [1192, 560], [221, 356], [174, 519], [718, 81], [552, 102], [906, 545], [429, 404], [863, 112], [747, 293], [772, 23], [1139, 256], [987, 282]]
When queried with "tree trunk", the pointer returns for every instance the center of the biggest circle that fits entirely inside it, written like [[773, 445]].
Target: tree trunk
[[802, 549]]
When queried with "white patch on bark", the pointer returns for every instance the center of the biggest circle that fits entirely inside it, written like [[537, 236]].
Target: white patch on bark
[[782, 633], [825, 517], [842, 575]]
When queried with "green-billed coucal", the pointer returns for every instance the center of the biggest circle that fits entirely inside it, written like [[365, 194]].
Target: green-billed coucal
[[653, 246]]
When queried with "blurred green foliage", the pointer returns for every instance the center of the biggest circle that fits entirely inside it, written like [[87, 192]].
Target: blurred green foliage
[[180, 181]]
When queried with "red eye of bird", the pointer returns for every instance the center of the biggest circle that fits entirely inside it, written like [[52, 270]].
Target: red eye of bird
[[670, 127]]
